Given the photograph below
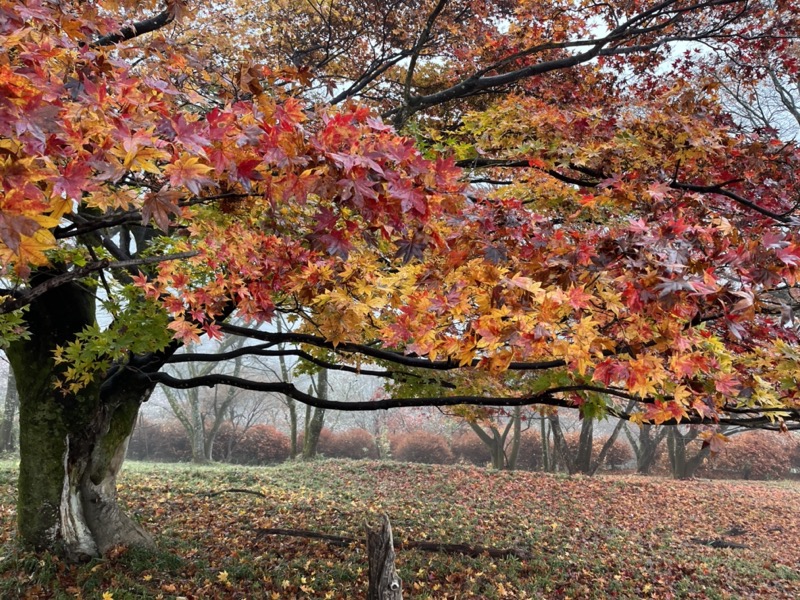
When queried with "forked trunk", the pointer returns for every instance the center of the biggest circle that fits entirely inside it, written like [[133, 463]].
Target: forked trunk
[[71, 444]]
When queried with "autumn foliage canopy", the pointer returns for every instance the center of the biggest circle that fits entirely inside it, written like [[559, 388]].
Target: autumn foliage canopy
[[493, 203]]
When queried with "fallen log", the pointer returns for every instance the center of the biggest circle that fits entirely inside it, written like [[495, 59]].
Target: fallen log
[[339, 540]]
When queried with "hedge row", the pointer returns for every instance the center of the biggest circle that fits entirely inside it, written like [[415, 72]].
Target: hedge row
[[757, 455]]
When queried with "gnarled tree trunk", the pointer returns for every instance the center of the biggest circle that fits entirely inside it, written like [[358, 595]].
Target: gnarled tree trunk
[[72, 445]]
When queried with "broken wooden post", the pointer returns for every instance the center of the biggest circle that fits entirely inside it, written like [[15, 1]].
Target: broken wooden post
[[384, 583]]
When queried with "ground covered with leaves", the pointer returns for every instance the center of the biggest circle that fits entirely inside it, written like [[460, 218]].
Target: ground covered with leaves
[[603, 537]]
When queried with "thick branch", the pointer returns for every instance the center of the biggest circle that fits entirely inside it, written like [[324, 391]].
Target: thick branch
[[547, 397], [377, 353], [133, 30], [264, 351]]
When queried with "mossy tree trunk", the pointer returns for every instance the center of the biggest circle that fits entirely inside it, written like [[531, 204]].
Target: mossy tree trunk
[[72, 445]]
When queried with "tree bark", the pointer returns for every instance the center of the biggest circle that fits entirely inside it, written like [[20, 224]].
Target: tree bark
[[292, 427], [7, 440], [516, 439], [72, 445], [384, 582]]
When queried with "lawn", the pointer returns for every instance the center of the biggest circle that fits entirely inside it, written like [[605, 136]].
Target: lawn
[[603, 537]]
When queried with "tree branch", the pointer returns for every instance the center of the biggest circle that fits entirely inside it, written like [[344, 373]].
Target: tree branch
[[133, 30], [377, 353], [24, 298]]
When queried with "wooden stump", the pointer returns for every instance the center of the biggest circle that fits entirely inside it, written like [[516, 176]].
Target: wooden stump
[[384, 583]]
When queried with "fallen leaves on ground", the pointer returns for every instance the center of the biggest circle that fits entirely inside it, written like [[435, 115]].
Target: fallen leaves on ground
[[603, 537]]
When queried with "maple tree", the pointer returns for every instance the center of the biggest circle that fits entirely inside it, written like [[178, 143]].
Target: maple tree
[[573, 218]]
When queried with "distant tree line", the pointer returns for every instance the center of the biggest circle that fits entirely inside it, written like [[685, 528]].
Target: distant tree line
[[677, 452]]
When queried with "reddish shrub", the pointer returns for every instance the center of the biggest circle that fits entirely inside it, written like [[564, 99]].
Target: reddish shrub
[[753, 455], [324, 446], [159, 441], [619, 453], [422, 447], [530, 451], [794, 454], [353, 443], [261, 444], [467, 447]]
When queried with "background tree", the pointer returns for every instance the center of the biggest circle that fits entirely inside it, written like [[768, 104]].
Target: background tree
[[202, 414], [646, 445], [685, 458]]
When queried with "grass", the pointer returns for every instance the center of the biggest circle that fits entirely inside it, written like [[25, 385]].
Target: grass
[[604, 537]]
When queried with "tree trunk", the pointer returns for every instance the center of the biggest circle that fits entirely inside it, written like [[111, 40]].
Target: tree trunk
[[610, 441], [315, 421], [71, 444], [197, 435], [7, 441], [384, 582], [583, 460], [544, 432], [516, 439], [561, 448], [292, 426], [683, 467], [645, 446], [491, 440]]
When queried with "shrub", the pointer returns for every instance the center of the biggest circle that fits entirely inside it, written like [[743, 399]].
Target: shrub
[[422, 447], [324, 446], [794, 453], [353, 443], [261, 444], [619, 453], [467, 447], [530, 451], [159, 441], [753, 455]]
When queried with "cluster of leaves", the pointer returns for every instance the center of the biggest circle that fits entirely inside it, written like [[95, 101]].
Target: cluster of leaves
[[159, 441], [587, 537]]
